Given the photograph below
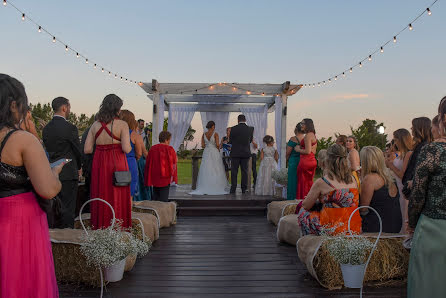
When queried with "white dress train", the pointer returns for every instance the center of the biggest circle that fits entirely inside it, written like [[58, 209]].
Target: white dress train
[[211, 176], [265, 183]]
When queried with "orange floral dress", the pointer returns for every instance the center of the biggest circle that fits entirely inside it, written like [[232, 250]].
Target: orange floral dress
[[336, 208]]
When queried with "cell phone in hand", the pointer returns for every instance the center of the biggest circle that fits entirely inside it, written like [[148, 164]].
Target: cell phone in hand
[[60, 161]]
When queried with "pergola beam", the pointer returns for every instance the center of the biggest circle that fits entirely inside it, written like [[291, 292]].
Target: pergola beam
[[229, 107], [216, 99]]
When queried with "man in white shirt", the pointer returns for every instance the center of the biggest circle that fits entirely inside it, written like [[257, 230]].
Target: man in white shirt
[[254, 152]]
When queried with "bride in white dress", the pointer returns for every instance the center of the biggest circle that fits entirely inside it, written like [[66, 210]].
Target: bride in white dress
[[211, 176]]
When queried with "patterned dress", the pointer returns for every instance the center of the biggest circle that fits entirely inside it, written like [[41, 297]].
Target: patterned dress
[[334, 212]]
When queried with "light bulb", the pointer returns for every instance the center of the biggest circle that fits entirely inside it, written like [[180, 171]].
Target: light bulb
[[370, 57], [211, 87], [233, 88], [4, 3], [410, 27], [23, 16], [40, 29], [343, 74], [248, 92], [329, 80], [429, 12], [102, 70], [116, 76], [263, 93], [77, 55], [360, 64], [86, 61], [54, 39], [382, 50], [351, 69], [121, 78], [66, 48], [336, 77], [109, 73], [323, 82], [314, 86], [394, 39], [94, 65]]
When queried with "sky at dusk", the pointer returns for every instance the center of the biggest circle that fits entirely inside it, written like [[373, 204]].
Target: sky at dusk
[[235, 41]]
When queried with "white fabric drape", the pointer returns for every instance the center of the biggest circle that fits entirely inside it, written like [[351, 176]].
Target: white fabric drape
[[221, 121], [278, 127], [180, 118], [258, 118], [160, 114]]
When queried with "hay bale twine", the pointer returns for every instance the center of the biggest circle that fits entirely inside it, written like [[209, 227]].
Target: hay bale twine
[[69, 263], [167, 211], [389, 262]]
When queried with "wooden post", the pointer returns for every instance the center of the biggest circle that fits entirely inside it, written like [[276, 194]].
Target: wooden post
[[249, 175], [195, 171], [283, 133]]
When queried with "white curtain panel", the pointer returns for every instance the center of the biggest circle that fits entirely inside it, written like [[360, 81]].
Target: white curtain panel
[[160, 114], [257, 117], [278, 126], [221, 120], [180, 118]]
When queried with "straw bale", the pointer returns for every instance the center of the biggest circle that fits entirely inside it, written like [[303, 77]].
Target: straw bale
[[69, 262], [129, 262], [167, 211], [275, 210], [389, 262], [288, 229]]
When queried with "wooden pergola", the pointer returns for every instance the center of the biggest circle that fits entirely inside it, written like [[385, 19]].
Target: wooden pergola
[[220, 97]]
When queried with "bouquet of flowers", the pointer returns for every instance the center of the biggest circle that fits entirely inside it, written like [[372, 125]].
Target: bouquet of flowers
[[104, 247], [281, 176], [347, 249]]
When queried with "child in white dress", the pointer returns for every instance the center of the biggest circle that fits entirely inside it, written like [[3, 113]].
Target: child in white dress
[[269, 158]]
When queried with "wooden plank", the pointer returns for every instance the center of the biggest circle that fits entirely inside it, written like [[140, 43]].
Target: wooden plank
[[220, 107], [198, 98]]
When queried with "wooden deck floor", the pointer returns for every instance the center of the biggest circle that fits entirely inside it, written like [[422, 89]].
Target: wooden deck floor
[[221, 256]]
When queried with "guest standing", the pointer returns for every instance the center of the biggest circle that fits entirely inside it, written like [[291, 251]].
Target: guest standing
[[61, 140], [422, 135], [26, 260], [403, 141], [332, 198], [112, 140], [161, 167], [254, 151], [293, 158], [269, 158], [353, 158], [427, 216], [307, 164], [379, 191], [136, 152], [342, 140]]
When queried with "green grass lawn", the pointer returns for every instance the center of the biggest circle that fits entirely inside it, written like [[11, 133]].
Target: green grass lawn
[[185, 171]]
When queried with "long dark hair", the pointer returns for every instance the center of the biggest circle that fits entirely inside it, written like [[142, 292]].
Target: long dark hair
[[298, 129], [441, 113], [110, 107], [11, 90], [210, 124], [309, 125], [421, 129]]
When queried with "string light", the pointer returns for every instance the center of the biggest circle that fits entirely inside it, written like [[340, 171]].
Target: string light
[[370, 57], [351, 69], [86, 61], [410, 27], [429, 12], [102, 70], [40, 29], [66, 48], [336, 78], [343, 74], [77, 55], [54, 39], [23, 16], [394, 39], [4, 2], [94, 66], [382, 50]]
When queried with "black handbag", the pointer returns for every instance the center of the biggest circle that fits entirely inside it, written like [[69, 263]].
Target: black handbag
[[52, 208], [120, 178]]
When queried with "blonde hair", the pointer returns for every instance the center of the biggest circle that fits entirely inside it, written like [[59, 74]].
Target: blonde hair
[[321, 158], [372, 161], [336, 164], [405, 139], [356, 142]]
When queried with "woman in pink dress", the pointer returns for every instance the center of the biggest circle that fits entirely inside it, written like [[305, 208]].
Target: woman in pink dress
[[26, 260], [307, 164]]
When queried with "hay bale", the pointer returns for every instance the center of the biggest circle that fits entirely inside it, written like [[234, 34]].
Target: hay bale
[[275, 209], [288, 229], [165, 211], [69, 263], [390, 261], [129, 262], [149, 221]]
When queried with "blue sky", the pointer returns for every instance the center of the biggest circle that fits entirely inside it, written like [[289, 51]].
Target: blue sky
[[236, 41]]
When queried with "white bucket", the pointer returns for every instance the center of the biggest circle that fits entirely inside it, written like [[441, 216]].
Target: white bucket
[[353, 275], [115, 272]]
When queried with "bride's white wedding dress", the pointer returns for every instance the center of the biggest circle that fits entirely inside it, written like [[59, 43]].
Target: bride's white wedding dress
[[211, 176]]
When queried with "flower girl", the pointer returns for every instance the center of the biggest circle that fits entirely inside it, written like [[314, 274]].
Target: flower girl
[[269, 158]]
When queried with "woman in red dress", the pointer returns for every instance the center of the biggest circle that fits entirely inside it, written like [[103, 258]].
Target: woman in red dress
[[307, 164], [111, 138]]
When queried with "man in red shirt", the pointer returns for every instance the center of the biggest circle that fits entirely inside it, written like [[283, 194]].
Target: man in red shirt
[[161, 167]]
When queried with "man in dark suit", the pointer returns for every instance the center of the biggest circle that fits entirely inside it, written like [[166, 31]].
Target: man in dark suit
[[240, 138], [61, 140]]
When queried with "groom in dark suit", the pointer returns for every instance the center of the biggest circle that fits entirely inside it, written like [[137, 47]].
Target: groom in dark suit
[[240, 137], [61, 140]]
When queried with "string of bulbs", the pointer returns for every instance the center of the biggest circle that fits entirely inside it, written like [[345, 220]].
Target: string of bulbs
[[233, 85], [369, 57], [71, 49]]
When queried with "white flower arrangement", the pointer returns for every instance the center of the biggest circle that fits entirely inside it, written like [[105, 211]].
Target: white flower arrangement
[[281, 176], [104, 247], [349, 249]]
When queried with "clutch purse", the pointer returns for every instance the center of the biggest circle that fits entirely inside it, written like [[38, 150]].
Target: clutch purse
[[122, 178]]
